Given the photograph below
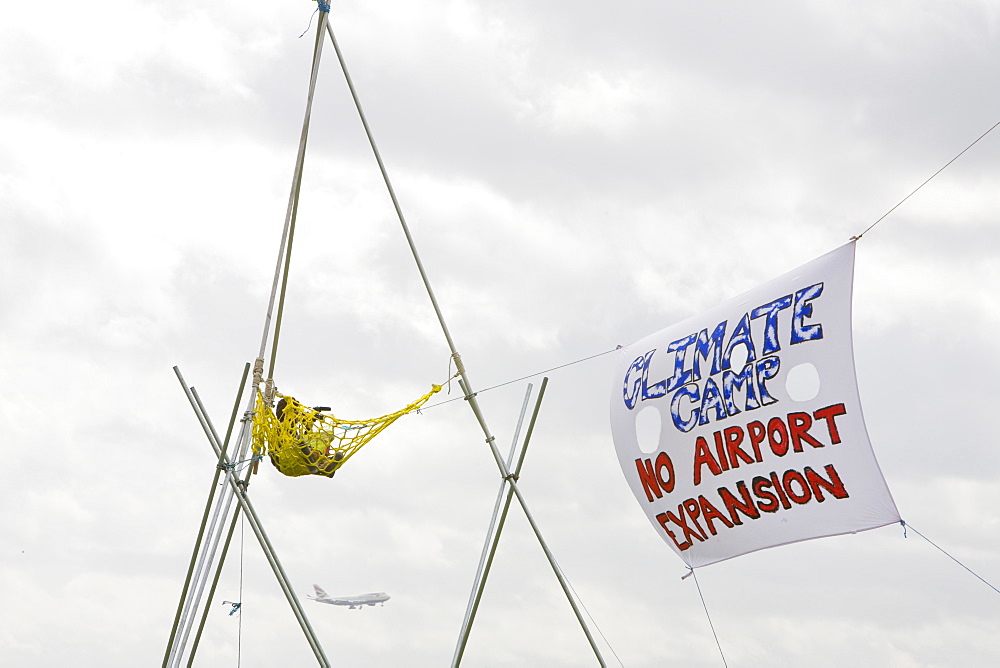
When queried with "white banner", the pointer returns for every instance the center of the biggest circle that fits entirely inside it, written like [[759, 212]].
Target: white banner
[[741, 428]]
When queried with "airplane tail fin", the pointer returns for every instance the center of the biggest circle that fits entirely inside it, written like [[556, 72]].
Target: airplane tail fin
[[319, 592]]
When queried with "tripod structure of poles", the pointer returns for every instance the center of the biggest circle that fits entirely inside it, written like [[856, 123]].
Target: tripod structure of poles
[[220, 505]]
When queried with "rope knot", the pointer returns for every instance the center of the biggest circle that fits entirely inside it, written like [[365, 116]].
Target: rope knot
[[458, 362], [459, 368]]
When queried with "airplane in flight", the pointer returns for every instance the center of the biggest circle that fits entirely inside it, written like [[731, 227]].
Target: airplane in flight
[[351, 601]]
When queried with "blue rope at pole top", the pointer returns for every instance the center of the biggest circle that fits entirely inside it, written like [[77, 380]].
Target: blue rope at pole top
[[323, 7]]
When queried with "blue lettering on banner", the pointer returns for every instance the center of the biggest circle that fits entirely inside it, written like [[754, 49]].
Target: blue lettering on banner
[[701, 356], [803, 309], [740, 336], [771, 344], [679, 348]]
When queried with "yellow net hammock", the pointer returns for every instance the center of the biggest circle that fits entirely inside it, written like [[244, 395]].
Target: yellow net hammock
[[301, 440]]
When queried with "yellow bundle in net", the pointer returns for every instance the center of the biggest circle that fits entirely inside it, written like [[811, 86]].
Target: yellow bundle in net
[[303, 441]]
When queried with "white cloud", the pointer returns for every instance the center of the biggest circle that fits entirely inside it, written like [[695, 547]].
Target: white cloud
[[574, 179]]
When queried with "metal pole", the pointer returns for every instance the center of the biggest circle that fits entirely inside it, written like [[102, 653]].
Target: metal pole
[[201, 530], [214, 586], [490, 543], [187, 581], [209, 548], [493, 538], [464, 378], [284, 256], [194, 596], [258, 529], [534, 527], [395, 201], [288, 232], [232, 525], [235, 487]]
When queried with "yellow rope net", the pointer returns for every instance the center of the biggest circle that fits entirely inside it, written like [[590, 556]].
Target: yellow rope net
[[302, 440]]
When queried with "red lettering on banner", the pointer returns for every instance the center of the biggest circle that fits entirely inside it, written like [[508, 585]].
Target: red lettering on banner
[[834, 485], [680, 521], [763, 495], [663, 461], [779, 491], [798, 430], [779, 446], [720, 450], [651, 476], [804, 494], [710, 512], [757, 433], [829, 414], [783, 434], [694, 511], [745, 504], [663, 518], [759, 485], [648, 479], [734, 436], [703, 456]]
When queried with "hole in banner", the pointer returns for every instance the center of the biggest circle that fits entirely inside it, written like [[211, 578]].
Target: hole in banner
[[802, 382], [738, 358], [648, 424]]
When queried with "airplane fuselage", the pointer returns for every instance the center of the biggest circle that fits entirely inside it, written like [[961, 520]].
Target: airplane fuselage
[[351, 602]]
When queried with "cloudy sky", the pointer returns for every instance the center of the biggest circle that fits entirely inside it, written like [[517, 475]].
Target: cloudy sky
[[575, 176]]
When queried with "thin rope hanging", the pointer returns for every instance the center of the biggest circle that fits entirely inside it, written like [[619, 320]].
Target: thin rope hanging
[[947, 164], [945, 553], [709, 616], [239, 634]]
